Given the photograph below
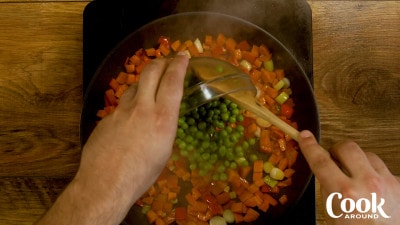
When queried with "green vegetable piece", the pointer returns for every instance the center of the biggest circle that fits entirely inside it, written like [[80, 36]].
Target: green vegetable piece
[[282, 98], [268, 167], [269, 65], [270, 182], [277, 173], [229, 216], [217, 220]]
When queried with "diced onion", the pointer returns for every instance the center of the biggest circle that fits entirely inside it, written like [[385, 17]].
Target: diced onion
[[245, 64], [217, 220], [198, 45], [187, 54]]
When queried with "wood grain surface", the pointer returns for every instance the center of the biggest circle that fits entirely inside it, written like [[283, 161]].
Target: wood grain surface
[[356, 79]]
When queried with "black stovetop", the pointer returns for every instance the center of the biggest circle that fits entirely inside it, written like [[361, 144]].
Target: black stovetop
[[106, 23]]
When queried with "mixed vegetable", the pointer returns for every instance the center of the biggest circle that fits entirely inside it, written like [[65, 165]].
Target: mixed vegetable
[[228, 165]]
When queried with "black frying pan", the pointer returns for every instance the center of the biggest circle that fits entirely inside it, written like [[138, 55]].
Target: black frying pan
[[185, 26]]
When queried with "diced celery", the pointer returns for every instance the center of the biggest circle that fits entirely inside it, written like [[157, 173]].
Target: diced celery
[[217, 220], [282, 98], [269, 65], [145, 209], [270, 182], [276, 174], [268, 167], [278, 86], [229, 216]]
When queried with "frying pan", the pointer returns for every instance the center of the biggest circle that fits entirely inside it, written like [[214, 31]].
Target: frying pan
[[193, 25]]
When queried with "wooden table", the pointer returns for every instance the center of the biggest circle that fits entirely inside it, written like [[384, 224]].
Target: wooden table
[[356, 78]]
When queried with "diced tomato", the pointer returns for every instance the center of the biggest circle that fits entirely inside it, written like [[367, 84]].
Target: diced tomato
[[287, 110], [163, 40]]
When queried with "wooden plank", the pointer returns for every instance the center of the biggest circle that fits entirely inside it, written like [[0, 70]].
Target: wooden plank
[[24, 200], [356, 74], [40, 88]]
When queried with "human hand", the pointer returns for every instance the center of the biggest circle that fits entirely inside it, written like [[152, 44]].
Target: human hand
[[354, 174]]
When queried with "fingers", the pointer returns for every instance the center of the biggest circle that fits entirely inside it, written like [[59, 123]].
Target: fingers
[[170, 90], [149, 80], [352, 158], [161, 80], [320, 161], [377, 163]]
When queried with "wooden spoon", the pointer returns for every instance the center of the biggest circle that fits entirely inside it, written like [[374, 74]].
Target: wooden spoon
[[207, 68]]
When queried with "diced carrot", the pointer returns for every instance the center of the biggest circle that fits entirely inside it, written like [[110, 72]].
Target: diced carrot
[[237, 207], [131, 79], [283, 199], [151, 216], [283, 163], [114, 84], [172, 181], [264, 206], [289, 172], [120, 90], [257, 63], [208, 40], [172, 195], [238, 217], [253, 188], [255, 51], [159, 221], [280, 74], [148, 200], [248, 56], [218, 187], [150, 51], [251, 129], [244, 171], [267, 77], [291, 157], [274, 159], [257, 176], [193, 50], [164, 50], [101, 113], [265, 51], [273, 93], [270, 199], [255, 75], [135, 60], [175, 45], [245, 195], [251, 215], [221, 39], [196, 193], [230, 44], [180, 213], [265, 141], [285, 183], [243, 45], [258, 166], [223, 198], [253, 201], [110, 96]]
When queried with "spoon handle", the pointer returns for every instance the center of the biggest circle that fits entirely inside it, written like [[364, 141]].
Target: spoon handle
[[253, 106]]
